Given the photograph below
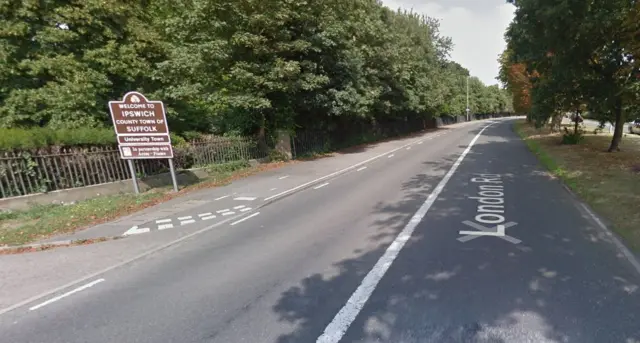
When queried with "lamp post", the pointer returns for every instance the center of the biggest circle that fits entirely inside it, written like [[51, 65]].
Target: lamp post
[[468, 110]]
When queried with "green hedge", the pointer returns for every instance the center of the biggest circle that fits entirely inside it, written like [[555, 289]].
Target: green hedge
[[40, 137]]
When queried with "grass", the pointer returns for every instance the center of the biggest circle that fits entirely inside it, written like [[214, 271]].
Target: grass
[[608, 182], [39, 222]]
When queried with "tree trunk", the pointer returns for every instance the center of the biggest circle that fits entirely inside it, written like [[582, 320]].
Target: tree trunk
[[556, 120], [262, 135], [617, 132]]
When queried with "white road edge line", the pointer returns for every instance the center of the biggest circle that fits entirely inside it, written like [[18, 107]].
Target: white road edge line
[[336, 173], [245, 218], [220, 198], [408, 148], [81, 288], [390, 156], [245, 198], [341, 322], [361, 168], [320, 186]]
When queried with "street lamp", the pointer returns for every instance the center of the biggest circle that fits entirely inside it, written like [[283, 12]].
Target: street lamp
[[468, 110]]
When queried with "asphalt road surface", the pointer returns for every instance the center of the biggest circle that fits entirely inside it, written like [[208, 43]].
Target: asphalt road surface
[[441, 242]]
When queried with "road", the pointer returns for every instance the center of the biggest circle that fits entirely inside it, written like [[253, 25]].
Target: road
[[375, 254]]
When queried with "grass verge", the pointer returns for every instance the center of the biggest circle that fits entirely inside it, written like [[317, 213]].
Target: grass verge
[[39, 222], [608, 182]]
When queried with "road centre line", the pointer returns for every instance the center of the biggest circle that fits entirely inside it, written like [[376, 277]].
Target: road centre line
[[205, 214], [228, 213], [390, 156], [336, 173], [408, 148], [283, 177], [361, 168], [238, 207], [245, 198], [347, 314], [79, 289], [320, 186], [222, 211], [245, 218], [245, 209], [220, 198]]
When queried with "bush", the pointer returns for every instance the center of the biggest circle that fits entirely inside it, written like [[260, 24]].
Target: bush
[[228, 167], [572, 137], [42, 137]]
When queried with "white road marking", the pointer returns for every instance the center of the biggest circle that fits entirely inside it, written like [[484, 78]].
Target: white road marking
[[221, 211], [134, 231], [320, 186], [184, 218], [335, 173], [341, 322], [165, 226], [500, 231], [238, 207], [390, 156], [81, 288], [163, 221], [245, 198], [222, 197], [208, 217], [361, 168], [283, 177], [245, 218], [185, 222], [205, 214], [228, 213], [245, 209], [272, 189], [420, 142], [408, 148]]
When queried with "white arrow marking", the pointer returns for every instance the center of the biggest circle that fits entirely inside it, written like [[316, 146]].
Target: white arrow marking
[[134, 231]]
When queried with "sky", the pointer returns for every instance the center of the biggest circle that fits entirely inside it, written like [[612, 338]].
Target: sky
[[476, 27]]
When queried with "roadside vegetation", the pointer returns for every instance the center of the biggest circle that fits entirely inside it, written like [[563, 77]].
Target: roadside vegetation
[[568, 58]]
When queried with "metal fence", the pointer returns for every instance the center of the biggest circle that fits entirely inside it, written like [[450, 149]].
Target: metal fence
[[28, 172]]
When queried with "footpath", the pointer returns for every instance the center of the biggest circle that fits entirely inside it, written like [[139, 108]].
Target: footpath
[[28, 276]]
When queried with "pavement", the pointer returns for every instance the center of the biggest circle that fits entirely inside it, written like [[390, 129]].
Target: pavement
[[455, 238]]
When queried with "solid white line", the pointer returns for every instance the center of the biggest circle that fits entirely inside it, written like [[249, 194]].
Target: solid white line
[[245, 209], [165, 226], [163, 221], [341, 322], [408, 148], [361, 168], [190, 221], [221, 211], [228, 213], [220, 198], [283, 177], [238, 207], [205, 214], [207, 218], [390, 156], [184, 218], [245, 198], [245, 218], [81, 288], [320, 186]]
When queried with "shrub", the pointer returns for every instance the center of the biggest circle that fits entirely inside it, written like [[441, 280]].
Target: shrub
[[572, 137], [41, 137]]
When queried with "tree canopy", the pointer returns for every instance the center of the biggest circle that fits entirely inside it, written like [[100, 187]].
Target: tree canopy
[[243, 66], [575, 54]]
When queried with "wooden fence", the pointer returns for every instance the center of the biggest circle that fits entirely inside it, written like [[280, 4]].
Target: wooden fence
[[28, 172]]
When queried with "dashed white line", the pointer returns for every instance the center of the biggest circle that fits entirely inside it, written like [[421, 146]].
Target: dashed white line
[[184, 218], [208, 217], [228, 213], [205, 214], [163, 221], [420, 142], [361, 168], [283, 177], [245, 198], [245, 209], [272, 189], [320, 186], [238, 207], [165, 226], [135, 230], [245, 218], [390, 156], [221, 211], [341, 322], [222, 197], [185, 222], [81, 288], [408, 148]]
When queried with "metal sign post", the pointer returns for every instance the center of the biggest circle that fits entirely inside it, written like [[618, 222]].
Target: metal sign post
[[142, 132]]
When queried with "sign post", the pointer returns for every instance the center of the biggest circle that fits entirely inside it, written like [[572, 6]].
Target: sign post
[[142, 132]]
